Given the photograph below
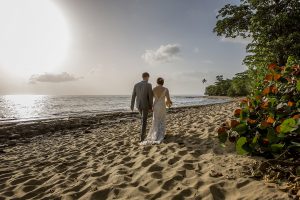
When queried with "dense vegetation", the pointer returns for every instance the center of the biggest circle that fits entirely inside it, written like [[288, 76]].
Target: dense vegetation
[[272, 25], [239, 85], [267, 123]]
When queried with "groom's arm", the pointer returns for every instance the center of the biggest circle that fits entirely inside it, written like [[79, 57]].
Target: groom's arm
[[150, 96], [133, 98]]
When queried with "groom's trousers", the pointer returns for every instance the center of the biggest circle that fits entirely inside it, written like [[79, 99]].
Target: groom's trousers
[[144, 116]]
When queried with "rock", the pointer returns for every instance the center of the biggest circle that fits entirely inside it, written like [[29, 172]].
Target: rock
[[93, 126], [231, 177], [284, 187], [271, 185], [57, 134], [12, 143], [25, 141], [215, 174], [87, 131]]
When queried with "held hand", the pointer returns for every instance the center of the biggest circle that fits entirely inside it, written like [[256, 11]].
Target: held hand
[[169, 104]]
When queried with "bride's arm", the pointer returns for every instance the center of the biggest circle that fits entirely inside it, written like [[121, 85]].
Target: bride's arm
[[169, 102]]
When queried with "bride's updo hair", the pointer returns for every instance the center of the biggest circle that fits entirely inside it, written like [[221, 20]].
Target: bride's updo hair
[[160, 81]]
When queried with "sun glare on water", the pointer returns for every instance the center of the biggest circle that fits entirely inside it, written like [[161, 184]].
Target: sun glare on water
[[34, 36], [22, 106]]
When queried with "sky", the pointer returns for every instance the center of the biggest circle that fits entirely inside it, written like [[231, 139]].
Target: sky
[[101, 47]]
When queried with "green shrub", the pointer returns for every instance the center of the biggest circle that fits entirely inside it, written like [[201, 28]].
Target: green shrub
[[268, 121]]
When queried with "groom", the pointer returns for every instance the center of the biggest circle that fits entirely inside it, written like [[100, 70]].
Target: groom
[[143, 94]]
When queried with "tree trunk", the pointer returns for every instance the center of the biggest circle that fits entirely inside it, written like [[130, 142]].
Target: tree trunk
[[280, 60]]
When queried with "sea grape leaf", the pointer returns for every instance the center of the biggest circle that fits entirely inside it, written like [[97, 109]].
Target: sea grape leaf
[[298, 104], [272, 137], [241, 147], [288, 125], [298, 171], [223, 137], [277, 147], [295, 145], [255, 139], [244, 114], [273, 101], [298, 85], [241, 128]]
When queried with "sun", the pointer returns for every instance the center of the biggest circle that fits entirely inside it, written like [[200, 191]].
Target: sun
[[34, 36]]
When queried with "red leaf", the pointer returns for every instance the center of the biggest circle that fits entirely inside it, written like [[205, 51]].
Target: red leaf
[[296, 116], [277, 129], [251, 121], [233, 123], [269, 77], [291, 104], [277, 77], [221, 130], [265, 141], [270, 120], [237, 112], [266, 91], [272, 66], [265, 105], [264, 124], [274, 89]]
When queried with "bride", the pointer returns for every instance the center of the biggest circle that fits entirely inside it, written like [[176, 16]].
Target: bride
[[161, 101]]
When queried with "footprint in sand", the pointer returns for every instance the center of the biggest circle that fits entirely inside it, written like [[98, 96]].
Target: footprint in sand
[[182, 194], [171, 183], [156, 175], [147, 162], [155, 168], [173, 160], [217, 191]]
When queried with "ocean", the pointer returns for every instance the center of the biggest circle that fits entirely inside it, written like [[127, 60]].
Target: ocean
[[31, 107]]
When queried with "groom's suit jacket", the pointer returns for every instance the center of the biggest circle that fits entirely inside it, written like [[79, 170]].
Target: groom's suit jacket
[[143, 94]]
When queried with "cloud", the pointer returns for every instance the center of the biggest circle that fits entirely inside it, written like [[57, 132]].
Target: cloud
[[238, 40], [165, 53], [208, 62], [53, 78], [196, 50]]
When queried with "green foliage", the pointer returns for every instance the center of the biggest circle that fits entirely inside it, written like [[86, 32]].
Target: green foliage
[[272, 25], [239, 85], [240, 146], [268, 120], [288, 126], [292, 60]]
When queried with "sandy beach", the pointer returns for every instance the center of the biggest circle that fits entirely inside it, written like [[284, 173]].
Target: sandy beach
[[106, 162]]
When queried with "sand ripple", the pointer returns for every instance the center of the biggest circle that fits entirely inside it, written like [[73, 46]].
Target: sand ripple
[[108, 163]]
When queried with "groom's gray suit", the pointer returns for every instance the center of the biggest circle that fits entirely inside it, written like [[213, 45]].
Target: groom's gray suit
[[142, 93]]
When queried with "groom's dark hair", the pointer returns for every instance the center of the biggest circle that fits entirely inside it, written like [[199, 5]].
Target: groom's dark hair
[[145, 75]]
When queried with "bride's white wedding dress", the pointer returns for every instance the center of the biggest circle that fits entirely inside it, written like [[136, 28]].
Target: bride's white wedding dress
[[158, 128]]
